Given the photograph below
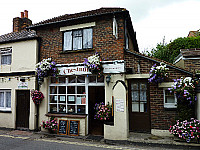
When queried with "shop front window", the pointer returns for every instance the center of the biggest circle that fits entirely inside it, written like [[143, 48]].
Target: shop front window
[[67, 95]]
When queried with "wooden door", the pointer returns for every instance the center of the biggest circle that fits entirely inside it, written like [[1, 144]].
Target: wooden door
[[23, 109], [139, 114], [96, 95]]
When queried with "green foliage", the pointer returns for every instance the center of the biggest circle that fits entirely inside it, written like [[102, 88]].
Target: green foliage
[[168, 52]]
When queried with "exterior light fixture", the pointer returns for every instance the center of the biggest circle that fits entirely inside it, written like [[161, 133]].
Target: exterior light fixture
[[108, 77]]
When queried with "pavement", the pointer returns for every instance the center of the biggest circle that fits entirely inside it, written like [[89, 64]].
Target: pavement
[[134, 138]]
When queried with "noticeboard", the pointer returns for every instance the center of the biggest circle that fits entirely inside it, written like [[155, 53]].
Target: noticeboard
[[74, 127], [62, 127]]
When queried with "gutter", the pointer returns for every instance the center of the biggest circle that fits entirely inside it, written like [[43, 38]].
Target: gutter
[[160, 62], [17, 40]]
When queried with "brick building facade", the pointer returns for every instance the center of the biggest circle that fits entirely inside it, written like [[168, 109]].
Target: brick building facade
[[138, 105]]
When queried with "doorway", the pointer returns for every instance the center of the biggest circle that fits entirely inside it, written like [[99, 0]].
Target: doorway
[[96, 94], [139, 112], [22, 109]]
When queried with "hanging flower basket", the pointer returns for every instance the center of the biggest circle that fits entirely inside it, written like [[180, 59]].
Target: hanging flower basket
[[46, 68], [37, 96], [158, 73], [94, 64], [103, 112]]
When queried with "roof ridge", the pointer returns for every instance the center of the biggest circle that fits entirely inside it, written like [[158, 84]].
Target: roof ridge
[[88, 13]]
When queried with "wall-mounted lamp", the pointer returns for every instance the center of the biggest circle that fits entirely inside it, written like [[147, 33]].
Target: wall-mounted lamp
[[108, 77]]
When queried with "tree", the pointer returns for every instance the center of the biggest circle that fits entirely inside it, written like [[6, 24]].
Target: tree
[[168, 52]]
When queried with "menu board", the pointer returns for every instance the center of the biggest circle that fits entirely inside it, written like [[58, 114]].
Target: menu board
[[62, 126], [74, 127]]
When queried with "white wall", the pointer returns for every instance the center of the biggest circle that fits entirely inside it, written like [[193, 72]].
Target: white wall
[[120, 129], [24, 58]]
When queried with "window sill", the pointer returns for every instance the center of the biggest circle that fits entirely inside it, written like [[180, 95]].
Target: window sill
[[5, 111], [66, 115], [77, 51]]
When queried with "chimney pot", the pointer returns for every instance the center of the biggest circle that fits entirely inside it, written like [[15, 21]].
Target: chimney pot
[[25, 13], [22, 14]]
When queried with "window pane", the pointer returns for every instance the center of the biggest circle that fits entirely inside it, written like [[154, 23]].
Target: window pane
[[61, 90], [135, 96], [62, 108], [143, 96], [53, 107], [53, 99], [81, 90], [134, 86], [92, 79], [54, 80], [169, 99], [62, 99], [72, 79], [100, 79], [67, 40], [135, 106], [53, 90], [87, 38], [3, 59], [71, 109], [80, 79], [1, 99], [8, 99], [77, 39], [81, 109], [62, 79], [143, 86], [71, 90], [143, 107]]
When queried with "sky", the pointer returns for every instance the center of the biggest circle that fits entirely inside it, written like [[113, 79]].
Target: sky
[[153, 20]]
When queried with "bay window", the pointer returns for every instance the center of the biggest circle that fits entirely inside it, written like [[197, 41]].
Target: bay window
[[77, 39]]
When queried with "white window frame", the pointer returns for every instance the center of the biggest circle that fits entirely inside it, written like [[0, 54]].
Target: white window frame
[[7, 52], [6, 108], [66, 84], [169, 105], [72, 39]]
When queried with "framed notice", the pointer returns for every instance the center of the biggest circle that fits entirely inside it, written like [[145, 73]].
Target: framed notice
[[62, 98], [71, 98], [74, 127], [62, 127]]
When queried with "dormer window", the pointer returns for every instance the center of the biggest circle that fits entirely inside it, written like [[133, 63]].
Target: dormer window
[[77, 39]]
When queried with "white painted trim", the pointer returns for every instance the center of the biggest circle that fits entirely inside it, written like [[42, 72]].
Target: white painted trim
[[178, 59], [78, 26], [165, 84], [190, 58], [130, 76]]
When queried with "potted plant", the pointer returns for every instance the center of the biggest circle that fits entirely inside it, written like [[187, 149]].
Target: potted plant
[[51, 125], [186, 130]]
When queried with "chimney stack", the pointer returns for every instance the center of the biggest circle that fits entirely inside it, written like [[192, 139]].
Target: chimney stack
[[25, 13], [20, 24], [22, 14]]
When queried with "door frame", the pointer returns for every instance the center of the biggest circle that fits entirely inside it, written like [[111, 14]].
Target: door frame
[[139, 80], [16, 105]]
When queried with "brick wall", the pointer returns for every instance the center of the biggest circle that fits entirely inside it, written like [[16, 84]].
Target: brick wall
[[104, 42], [161, 118], [192, 65]]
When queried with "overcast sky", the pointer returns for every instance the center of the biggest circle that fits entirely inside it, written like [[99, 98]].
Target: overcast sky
[[152, 19]]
